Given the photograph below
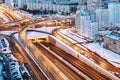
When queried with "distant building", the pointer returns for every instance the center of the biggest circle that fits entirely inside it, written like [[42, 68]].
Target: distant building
[[1, 1], [114, 14], [81, 2], [15, 2], [102, 17], [93, 30], [114, 1], [112, 42], [49, 7], [93, 4], [22, 3], [9, 3], [82, 19], [81, 7], [85, 26]]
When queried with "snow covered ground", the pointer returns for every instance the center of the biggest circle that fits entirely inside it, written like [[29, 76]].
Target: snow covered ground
[[46, 29], [68, 33], [110, 56], [7, 32]]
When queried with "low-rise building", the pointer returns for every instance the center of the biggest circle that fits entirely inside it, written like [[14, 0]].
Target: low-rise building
[[112, 41]]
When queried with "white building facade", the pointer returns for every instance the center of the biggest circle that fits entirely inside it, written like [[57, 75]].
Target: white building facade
[[45, 6], [93, 4], [114, 14], [9, 3], [114, 0], [84, 25], [22, 3], [102, 17]]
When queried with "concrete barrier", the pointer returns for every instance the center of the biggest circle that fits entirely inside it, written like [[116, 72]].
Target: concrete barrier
[[81, 57], [65, 62]]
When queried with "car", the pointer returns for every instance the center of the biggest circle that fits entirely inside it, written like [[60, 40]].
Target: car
[[4, 49], [82, 52], [24, 70], [15, 73], [3, 43]]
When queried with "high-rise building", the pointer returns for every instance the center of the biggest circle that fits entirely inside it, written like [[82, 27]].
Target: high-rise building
[[22, 3], [114, 0], [93, 4], [114, 14], [83, 2], [84, 25], [82, 21], [1, 1], [93, 30], [9, 3], [102, 17]]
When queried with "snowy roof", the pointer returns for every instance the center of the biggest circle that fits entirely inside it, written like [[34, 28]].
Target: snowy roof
[[115, 4], [113, 37], [82, 13], [105, 32]]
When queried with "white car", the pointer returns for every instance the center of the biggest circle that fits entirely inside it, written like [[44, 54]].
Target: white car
[[5, 45]]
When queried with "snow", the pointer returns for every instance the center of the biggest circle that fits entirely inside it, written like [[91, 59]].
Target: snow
[[104, 32], [67, 37], [7, 32], [107, 54], [5, 49], [110, 56], [46, 29], [75, 37], [114, 37], [33, 35], [13, 57], [51, 15]]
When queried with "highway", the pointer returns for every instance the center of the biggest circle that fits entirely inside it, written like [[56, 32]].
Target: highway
[[88, 53], [77, 63], [56, 73], [71, 75], [18, 49]]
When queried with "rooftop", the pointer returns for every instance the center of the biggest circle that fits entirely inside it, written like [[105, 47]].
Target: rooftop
[[82, 13]]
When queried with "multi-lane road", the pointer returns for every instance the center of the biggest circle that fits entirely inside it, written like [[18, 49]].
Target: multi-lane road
[[93, 74], [24, 57], [99, 60], [64, 69]]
